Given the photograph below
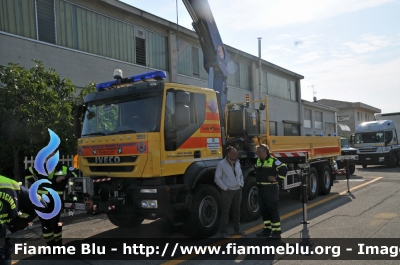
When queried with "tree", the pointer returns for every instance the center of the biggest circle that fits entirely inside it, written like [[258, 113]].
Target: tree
[[30, 102]]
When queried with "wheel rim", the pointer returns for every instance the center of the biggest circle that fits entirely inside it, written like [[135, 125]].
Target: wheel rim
[[313, 183], [208, 211], [252, 199], [327, 180]]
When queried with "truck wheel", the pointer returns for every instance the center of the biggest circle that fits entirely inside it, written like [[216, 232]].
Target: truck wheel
[[326, 181], [364, 166], [352, 169], [250, 210], [205, 213], [124, 220], [312, 184], [393, 160]]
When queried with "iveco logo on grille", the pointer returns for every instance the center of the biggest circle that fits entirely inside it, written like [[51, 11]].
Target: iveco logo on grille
[[108, 160]]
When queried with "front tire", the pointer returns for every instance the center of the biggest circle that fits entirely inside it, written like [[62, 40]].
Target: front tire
[[312, 184], [124, 220], [250, 210], [205, 213], [326, 181], [393, 160]]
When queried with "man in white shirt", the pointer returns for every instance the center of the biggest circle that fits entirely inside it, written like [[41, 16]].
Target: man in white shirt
[[229, 178]]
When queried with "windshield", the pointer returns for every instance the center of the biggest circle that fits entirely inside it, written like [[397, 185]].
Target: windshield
[[128, 114], [372, 137], [344, 142]]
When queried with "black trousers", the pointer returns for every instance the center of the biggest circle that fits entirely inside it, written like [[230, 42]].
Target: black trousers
[[268, 200], [231, 198], [52, 230]]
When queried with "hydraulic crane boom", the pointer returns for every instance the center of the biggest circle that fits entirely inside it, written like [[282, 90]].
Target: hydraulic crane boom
[[216, 57]]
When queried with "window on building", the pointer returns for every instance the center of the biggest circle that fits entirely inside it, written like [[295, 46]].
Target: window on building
[[237, 74], [195, 61], [318, 120], [191, 61], [18, 17], [265, 83], [273, 128], [45, 20], [358, 116], [88, 31], [281, 87], [307, 118], [290, 129], [140, 51], [366, 117]]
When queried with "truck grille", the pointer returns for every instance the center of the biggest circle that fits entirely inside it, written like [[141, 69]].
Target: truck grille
[[123, 159], [368, 150], [352, 152], [111, 168]]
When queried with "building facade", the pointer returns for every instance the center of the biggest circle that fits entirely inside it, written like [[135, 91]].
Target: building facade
[[351, 114], [86, 40], [319, 119]]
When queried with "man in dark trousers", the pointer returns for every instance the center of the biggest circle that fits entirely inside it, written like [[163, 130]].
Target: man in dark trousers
[[267, 171], [52, 228], [16, 212], [229, 178]]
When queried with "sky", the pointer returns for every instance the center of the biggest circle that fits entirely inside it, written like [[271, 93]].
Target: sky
[[346, 49]]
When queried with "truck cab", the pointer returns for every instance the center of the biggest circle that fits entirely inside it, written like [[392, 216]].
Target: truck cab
[[377, 143], [348, 153]]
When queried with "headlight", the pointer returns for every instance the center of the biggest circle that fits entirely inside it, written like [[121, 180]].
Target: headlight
[[149, 204]]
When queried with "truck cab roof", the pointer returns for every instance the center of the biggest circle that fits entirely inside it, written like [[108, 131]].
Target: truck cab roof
[[374, 126]]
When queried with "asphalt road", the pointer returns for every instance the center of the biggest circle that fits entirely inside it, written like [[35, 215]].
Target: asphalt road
[[369, 211]]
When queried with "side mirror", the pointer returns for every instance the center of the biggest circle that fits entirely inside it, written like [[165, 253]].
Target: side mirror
[[387, 142], [77, 112]]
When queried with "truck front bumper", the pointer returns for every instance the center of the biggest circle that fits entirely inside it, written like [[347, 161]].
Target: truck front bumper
[[341, 160], [149, 202], [373, 159]]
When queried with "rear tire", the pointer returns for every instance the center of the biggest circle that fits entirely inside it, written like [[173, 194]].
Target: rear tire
[[205, 213], [352, 169], [312, 184], [326, 181], [124, 220], [250, 210]]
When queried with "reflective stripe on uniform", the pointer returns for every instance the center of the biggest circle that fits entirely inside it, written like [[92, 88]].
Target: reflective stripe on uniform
[[23, 215], [276, 226], [30, 176], [267, 183], [73, 173], [6, 183], [282, 177], [31, 170], [46, 192]]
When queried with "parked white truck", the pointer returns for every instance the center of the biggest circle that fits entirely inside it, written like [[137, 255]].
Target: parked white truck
[[377, 143]]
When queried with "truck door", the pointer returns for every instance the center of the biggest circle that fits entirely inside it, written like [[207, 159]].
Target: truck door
[[388, 137]]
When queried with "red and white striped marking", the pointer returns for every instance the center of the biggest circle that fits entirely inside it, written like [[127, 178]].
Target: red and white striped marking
[[111, 207], [101, 180], [291, 154]]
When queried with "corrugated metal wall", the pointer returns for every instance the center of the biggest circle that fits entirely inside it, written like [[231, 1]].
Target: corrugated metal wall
[[18, 17]]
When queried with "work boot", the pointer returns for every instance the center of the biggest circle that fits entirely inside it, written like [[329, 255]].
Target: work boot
[[274, 236], [225, 235], [264, 233], [240, 233]]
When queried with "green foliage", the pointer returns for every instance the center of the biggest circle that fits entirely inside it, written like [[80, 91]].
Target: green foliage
[[32, 100]]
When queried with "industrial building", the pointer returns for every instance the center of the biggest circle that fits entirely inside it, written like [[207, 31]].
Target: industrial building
[[319, 119], [350, 114], [86, 40]]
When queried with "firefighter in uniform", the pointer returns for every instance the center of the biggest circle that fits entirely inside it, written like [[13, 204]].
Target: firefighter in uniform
[[267, 171], [16, 212], [52, 228]]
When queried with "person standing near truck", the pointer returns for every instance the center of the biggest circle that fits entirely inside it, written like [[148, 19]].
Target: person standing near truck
[[52, 228], [267, 171], [229, 178]]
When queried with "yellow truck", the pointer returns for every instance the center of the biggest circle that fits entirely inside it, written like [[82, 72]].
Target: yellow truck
[[148, 149]]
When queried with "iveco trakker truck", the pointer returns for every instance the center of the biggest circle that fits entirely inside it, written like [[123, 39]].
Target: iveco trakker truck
[[149, 148]]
